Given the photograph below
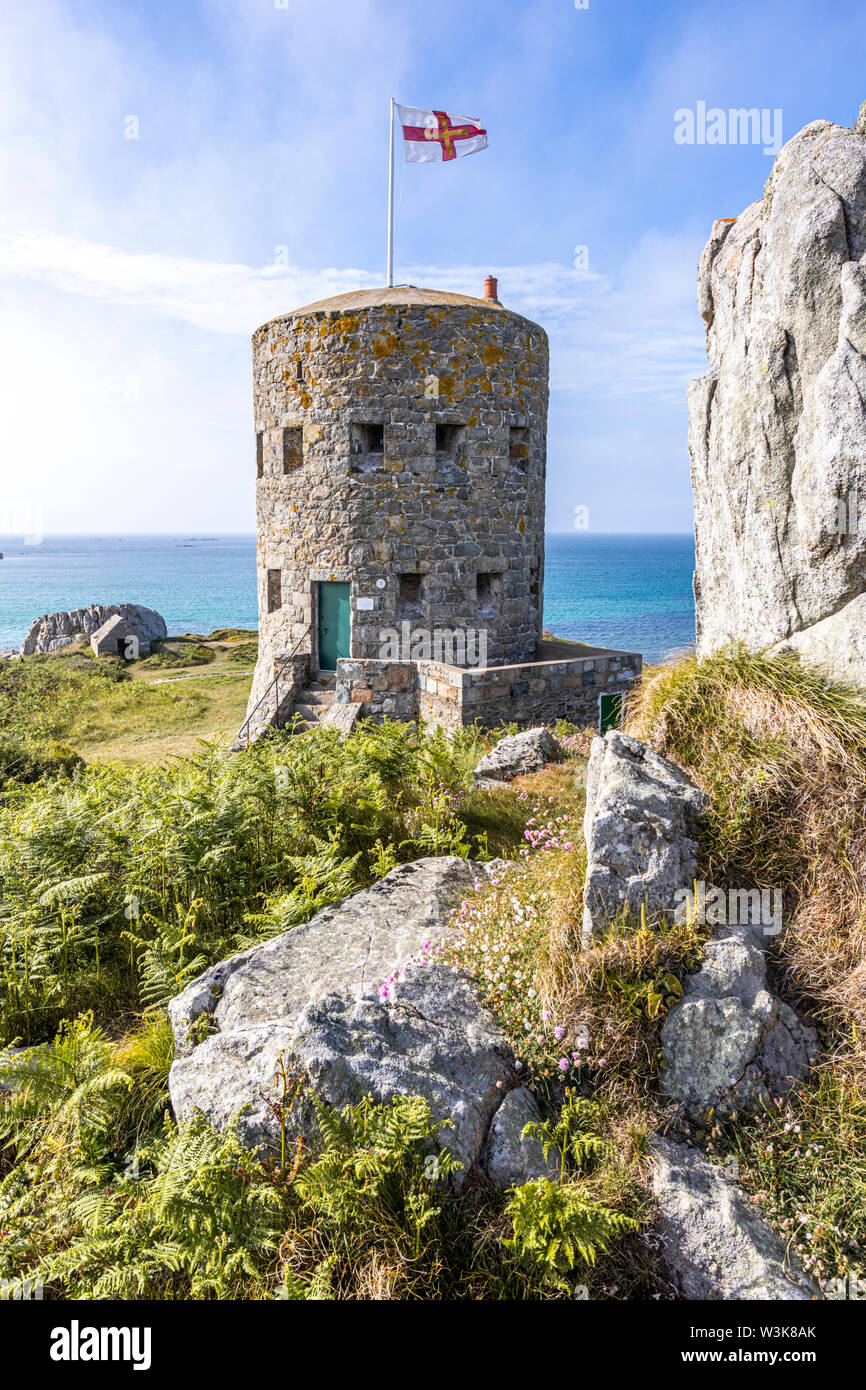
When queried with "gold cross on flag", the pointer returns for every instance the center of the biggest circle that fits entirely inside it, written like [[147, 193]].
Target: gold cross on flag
[[432, 137]]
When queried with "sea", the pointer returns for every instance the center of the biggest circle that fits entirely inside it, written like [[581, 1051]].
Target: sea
[[631, 592]]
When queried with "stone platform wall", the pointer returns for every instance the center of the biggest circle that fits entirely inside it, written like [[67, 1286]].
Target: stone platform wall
[[383, 689], [542, 691], [534, 693]]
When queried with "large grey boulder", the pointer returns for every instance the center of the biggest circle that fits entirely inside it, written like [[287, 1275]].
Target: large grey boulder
[[730, 1044], [54, 631], [715, 1242], [516, 755], [312, 998], [778, 423], [432, 1039], [640, 822]]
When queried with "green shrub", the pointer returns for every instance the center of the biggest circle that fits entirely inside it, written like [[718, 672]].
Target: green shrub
[[118, 887], [558, 1227], [162, 658], [177, 651], [185, 1212], [199, 654], [245, 653], [25, 762]]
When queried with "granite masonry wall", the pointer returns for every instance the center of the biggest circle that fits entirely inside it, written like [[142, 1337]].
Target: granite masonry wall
[[383, 689], [400, 447], [528, 694], [281, 684], [540, 692]]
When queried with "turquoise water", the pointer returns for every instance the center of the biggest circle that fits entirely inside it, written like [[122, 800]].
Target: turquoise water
[[632, 592], [197, 583]]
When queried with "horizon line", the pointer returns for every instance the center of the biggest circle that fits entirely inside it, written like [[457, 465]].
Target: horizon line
[[207, 535]]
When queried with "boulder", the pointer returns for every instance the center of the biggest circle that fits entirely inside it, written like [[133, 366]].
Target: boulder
[[640, 821], [512, 1159], [431, 1038], [314, 998], [730, 1044], [715, 1242], [516, 755], [778, 423], [54, 631]]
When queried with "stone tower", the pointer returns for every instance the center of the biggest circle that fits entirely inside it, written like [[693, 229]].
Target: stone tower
[[400, 458]]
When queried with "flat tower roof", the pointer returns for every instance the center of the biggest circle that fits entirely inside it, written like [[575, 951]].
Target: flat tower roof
[[396, 295]]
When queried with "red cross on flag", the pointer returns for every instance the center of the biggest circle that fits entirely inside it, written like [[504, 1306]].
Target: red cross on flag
[[430, 137]]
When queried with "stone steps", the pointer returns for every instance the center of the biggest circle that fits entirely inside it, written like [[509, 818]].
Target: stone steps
[[314, 703], [269, 714], [310, 696], [310, 713]]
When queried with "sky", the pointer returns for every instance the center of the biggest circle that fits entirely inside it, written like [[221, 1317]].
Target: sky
[[173, 174]]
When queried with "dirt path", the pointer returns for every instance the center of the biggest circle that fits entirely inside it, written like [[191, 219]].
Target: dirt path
[[200, 675]]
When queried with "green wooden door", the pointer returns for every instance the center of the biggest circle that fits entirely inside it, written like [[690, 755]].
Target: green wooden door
[[333, 624], [609, 712]]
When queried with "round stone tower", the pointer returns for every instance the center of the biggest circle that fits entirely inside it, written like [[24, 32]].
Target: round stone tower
[[400, 449]]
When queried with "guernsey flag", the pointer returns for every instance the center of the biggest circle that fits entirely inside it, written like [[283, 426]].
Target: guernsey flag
[[429, 137]]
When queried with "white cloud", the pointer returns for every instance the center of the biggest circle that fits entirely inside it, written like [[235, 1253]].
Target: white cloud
[[636, 335], [214, 296]]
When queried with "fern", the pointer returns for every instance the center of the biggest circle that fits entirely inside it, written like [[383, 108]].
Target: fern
[[71, 890], [324, 877], [374, 1179], [163, 969], [558, 1227], [569, 1135], [64, 1085]]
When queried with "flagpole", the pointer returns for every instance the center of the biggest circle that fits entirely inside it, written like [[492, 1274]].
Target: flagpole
[[391, 203]]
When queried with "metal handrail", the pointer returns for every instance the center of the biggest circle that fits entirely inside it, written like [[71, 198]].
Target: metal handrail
[[274, 685]]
